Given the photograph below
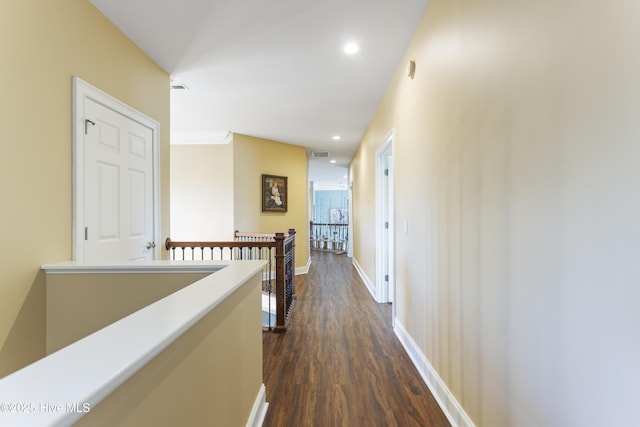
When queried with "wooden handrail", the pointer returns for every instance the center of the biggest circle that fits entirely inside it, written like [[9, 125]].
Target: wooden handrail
[[284, 244], [170, 244]]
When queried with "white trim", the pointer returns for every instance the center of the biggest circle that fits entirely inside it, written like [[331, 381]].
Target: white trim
[[259, 411], [142, 267], [384, 201], [350, 227], [93, 367], [367, 282], [305, 269], [446, 400], [82, 91]]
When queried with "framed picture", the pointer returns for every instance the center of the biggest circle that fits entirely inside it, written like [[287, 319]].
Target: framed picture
[[274, 193]]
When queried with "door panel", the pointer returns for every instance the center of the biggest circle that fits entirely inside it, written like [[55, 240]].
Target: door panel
[[137, 191], [107, 197], [118, 195]]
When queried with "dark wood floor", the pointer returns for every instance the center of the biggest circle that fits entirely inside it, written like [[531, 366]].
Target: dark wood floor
[[339, 363]]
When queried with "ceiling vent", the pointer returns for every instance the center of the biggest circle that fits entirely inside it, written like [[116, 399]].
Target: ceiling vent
[[178, 86], [320, 154]]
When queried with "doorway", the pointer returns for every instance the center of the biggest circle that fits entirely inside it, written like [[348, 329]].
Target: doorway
[[116, 179], [385, 224]]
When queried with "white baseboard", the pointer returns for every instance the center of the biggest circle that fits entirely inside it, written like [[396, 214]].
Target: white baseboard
[[259, 410], [305, 269], [447, 401], [367, 282]]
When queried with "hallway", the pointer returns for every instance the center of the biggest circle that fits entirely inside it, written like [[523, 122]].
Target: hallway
[[340, 363]]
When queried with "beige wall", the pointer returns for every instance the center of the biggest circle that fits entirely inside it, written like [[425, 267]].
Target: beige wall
[[42, 45], [202, 192], [101, 299], [210, 376], [517, 167], [254, 157]]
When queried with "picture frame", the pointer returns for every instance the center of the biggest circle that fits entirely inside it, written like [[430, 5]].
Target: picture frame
[[274, 193]]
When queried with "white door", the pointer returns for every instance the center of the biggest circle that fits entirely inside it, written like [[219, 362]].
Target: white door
[[118, 190], [387, 217], [385, 228]]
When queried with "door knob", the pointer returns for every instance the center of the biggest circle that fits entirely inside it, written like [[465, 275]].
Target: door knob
[[151, 245]]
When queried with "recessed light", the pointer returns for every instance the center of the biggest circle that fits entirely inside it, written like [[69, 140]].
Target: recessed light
[[351, 48], [336, 137], [332, 161]]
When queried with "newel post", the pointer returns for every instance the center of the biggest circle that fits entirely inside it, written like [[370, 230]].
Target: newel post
[[292, 236], [281, 312]]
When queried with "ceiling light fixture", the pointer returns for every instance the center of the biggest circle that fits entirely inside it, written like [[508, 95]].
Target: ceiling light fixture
[[332, 161], [351, 48], [336, 137]]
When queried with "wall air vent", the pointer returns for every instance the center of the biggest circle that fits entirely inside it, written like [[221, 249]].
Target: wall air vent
[[320, 154], [178, 86]]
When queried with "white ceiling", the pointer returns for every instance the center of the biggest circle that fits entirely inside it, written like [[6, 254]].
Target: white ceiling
[[274, 69]]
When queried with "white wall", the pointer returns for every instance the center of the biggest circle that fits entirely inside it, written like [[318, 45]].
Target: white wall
[[518, 170], [202, 192], [215, 190]]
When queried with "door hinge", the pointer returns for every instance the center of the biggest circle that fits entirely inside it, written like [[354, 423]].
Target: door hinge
[[386, 225], [386, 277], [386, 172], [86, 233]]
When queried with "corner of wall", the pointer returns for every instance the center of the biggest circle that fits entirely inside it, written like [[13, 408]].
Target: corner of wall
[[259, 411], [368, 283], [446, 400], [305, 269]]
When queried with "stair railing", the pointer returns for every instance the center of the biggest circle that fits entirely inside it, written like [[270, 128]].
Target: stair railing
[[329, 236], [278, 249]]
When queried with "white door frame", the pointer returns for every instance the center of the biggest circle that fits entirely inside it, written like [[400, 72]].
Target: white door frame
[[385, 235], [82, 91], [350, 208]]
